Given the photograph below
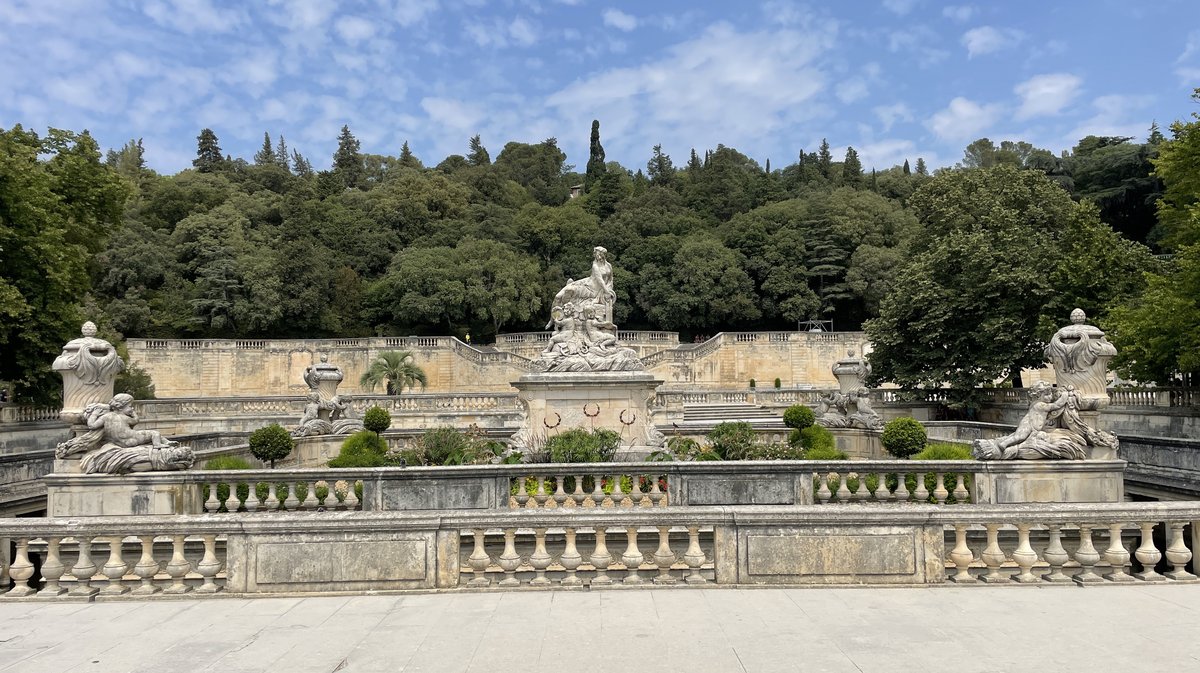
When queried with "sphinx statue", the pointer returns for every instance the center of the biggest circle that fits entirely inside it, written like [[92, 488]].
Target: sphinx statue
[[112, 445], [1051, 429], [585, 338]]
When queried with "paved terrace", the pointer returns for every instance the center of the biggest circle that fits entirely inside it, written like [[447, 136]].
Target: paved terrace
[[891, 630]]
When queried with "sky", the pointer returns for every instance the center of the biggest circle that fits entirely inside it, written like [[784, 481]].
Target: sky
[[896, 79]]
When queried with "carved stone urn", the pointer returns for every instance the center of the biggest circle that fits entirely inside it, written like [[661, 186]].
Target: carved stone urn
[[89, 367], [851, 372], [1080, 354], [323, 378]]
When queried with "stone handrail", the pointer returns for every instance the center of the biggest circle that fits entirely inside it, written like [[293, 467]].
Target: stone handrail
[[294, 405], [24, 413], [369, 551]]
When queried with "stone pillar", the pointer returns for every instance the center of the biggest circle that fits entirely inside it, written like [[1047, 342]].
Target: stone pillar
[[89, 367], [1080, 354]]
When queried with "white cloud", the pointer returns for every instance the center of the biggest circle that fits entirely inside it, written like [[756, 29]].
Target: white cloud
[[1114, 117], [409, 12], [963, 119], [194, 16], [851, 90], [1046, 95], [522, 32], [355, 29], [890, 114], [620, 20], [918, 41], [900, 7], [959, 13], [499, 34], [986, 39], [1187, 71]]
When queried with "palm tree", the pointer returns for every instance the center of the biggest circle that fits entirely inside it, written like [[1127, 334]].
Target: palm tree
[[397, 369]]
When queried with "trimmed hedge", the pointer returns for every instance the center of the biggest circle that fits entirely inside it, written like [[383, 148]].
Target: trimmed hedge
[[799, 417], [377, 419], [903, 437]]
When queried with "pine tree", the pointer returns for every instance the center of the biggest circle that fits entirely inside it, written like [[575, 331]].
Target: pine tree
[[693, 164], [921, 170], [874, 181], [767, 170], [281, 154], [347, 161], [407, 158], [1156, 136], [907, 170], [852, 170], [208, 152], [266, 155], [825, 160], [595, 164], [300, 165], [659, 168], [479, 155]]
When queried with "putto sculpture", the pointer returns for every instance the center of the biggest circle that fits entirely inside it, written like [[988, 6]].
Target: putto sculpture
[[89, 366], [111, 444], [585, 338], [325, 412], [850, 406]]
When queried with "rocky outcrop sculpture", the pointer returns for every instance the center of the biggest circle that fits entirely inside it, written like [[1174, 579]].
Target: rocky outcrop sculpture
[[1053, 428], [585, 338], [850, 406], [325, 412], [89, 366], [112, 445]]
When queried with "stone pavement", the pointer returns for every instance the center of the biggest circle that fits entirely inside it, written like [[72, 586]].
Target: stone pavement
[[892, 630]]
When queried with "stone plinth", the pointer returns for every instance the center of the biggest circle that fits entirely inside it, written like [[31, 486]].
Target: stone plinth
[[859, 444], [106, 495], [555, 402], [1014, 482]]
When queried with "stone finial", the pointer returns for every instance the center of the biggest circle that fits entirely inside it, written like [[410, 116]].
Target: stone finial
[[1078, 317], [89, 329], [89, 366]]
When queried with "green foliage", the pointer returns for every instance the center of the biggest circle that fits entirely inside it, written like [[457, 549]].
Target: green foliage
[[362, 449], [227, 463], [817, 438], [271, 443], [377, 419], [733, 440], [446, 446], [778, 383], [134, 380], [824, 453], [582, 446], [798, 416], [396, 370], [752, 384], [773, 451], [903, 437], [944, 451]]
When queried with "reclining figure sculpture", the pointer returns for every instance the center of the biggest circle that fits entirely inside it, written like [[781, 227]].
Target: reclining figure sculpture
[[1051, 429], [111, 445]]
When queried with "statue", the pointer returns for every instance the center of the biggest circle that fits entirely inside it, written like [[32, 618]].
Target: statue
[[831, 411], [88, 366], [325, 412], [311, 422], [1051, 429], [585, 338], [112, 445], [850, 407], [1080, 354]]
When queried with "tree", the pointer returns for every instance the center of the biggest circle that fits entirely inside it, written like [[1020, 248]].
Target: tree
[[478, 155], [852, 170], [348, 161], [907, 170], [825, 160], [538, 168], [1001, 258], [595, 164], [130, 160], [301, 166], [407, 158], [1155, 136], [704, 287], [659, 168], [396, 369], [208, 153], [271, 443], [921, 170], [266, 155], [281, 154], [1178, 166]]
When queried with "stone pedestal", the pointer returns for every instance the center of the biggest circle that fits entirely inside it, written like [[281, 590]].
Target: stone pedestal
[[70, 495], [555, 402], [1007, 482], [859, 444]]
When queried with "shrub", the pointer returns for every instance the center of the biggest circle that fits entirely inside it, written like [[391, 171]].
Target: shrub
[[227, 463], [799, 417], [825, 453], [362, 449], [775, 452], [944, 451], [903, 437], [816, 437], [446, 446], [377, 419], [135, 381], [271, 443], [778, 383], [752, 384], [684, 448], [580, 446], [733, 440]]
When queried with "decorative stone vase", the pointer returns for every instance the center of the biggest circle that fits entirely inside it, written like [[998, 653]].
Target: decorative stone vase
[[324, 378], [851, 372], [1080, 354], [89, 367]]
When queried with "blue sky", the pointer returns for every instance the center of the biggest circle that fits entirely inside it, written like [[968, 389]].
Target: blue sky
[[894, 78]]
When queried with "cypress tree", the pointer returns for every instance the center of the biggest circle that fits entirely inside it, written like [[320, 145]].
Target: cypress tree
[[907, 170], [852, 170], [208, 152], [265, 155], [825, 160], [595, 164]]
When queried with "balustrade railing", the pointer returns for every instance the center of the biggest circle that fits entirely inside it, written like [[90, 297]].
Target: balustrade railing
[[22, 413], [588, 485], [231, 491]]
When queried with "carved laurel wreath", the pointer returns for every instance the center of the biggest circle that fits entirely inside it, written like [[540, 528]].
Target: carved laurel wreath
[[591, 415], [621, 417], [557, 421]]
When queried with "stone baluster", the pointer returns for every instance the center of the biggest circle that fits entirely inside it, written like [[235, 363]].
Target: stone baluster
[[212, 504], [291, 503], [862, 493], [1178, 554], [843, 489], [961, 494], [1148, 555], [920, 493], [232, 502], [1117, 556], [540, 559], [600, 557], [351, 501], [52, 569], [663, 557], [632, 558], [961, 555], [146, 568], [21, 570], [1023, 555], [510, 560], [310, 497], [83, 570], [571, 559], [272, 502], [114, 569], [635, 493], [939, 491], [521, 495], [881, 492], [1055, 556], [694, 557], [578, 496], [560, 493], [479, 561], [4, 547], [657, 497], [1087, 557], [992, 555], [901, 493], [540, 496], [617, 496], [823, 492], [178, 568], [252, 501], [597, 491], [209, 566]]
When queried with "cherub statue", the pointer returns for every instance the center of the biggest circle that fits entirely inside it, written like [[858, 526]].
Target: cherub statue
[[112, 445], [1052, 428], [311, 422]]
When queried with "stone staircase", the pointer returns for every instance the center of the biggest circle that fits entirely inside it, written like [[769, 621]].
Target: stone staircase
[[708, 415]]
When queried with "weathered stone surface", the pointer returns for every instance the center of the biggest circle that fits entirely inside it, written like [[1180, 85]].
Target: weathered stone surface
[[825, 555], [750, 490], [111, 444], [435, 494], [850, 406], [1080, 354], [1053, 428], [558, 401], [365, 561], [1009, 482], [89, 367]]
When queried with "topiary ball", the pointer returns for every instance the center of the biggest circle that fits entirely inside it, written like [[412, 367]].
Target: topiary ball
[[799, 417], [377, 419], [903, 437]]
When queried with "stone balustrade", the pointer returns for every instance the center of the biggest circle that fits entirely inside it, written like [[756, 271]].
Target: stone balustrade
[[25, 413], [1037, 544]]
